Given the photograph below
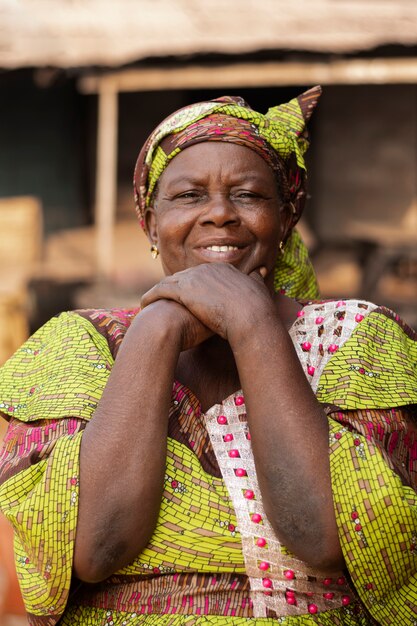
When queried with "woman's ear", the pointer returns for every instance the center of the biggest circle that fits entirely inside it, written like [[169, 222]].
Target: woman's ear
[[287, 220], [151, 225]]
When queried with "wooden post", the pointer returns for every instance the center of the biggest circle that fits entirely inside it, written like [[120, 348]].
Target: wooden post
[[106, 178]]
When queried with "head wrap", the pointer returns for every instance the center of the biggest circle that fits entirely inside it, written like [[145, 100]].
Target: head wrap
[[279, 137]]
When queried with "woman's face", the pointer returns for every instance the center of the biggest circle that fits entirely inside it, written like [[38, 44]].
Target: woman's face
[[218, 202]]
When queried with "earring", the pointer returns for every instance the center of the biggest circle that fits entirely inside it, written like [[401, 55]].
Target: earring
[[154, 251], [281, 248]]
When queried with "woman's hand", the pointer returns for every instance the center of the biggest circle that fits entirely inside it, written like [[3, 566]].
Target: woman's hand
[[178, 318], [213, 293]]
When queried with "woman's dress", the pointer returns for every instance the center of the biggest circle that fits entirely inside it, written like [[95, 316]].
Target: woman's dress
[[213, 558]]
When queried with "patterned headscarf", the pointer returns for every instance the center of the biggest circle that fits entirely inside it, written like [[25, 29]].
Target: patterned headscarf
[[279, 137]]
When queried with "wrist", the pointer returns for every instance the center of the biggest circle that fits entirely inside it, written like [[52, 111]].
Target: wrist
[[160, 322], [255, 328]]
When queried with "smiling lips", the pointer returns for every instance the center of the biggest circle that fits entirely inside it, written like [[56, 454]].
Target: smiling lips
[[224, 252], [221, 248]]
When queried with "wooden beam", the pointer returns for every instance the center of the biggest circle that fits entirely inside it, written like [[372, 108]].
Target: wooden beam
[[106, 176], [262, 74]]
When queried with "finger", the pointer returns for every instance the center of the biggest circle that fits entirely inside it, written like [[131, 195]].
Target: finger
[[259, 274], [247, 268], [161, 291]]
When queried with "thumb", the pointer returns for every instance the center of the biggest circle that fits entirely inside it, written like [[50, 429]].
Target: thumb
[[259, 273]]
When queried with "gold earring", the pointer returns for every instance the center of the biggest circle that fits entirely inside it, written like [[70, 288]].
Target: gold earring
[[281, 248], [154, 251]]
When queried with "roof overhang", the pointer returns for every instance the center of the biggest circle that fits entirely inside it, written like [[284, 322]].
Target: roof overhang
[[256, 74]]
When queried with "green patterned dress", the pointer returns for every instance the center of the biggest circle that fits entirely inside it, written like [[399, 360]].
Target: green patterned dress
[[202, 564]]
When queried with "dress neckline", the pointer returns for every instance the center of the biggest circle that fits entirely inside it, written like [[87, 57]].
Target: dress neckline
[[181, 390]]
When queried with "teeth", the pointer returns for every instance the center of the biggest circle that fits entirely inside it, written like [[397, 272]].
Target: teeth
[[222, 248]]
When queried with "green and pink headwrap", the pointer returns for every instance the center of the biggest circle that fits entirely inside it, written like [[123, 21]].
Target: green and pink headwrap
[[279, 137]]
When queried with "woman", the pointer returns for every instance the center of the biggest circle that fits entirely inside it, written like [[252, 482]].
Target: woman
[[143, 487]]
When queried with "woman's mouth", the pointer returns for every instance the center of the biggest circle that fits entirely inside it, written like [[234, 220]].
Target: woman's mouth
[[221, 248], [222, 252]]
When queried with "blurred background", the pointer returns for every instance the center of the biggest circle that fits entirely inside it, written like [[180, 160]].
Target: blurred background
[[82, 84]]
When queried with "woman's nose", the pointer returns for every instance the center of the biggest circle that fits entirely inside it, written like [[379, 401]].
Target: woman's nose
[[220, 211]]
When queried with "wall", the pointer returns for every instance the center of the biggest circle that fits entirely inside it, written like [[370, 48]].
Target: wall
[[364, 195], [44, 146], [366, 157]]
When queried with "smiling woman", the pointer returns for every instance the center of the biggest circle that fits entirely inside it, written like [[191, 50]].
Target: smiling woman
[[228, 209], [232, 452]]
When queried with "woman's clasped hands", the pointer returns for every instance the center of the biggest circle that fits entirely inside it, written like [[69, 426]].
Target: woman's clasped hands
[[210, 297]]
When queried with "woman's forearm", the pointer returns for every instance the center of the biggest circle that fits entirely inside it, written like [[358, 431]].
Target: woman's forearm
[[123, 451], [290, 442], [289, 428]]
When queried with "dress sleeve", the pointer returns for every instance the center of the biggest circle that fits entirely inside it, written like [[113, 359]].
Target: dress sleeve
[[48, 390], [377, 519]]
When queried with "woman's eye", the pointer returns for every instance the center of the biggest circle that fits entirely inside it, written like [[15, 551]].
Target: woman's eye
[[246, 194], [188, 195]]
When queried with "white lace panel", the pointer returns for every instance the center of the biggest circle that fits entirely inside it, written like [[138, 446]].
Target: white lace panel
[[321, 329], [280, 583]]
